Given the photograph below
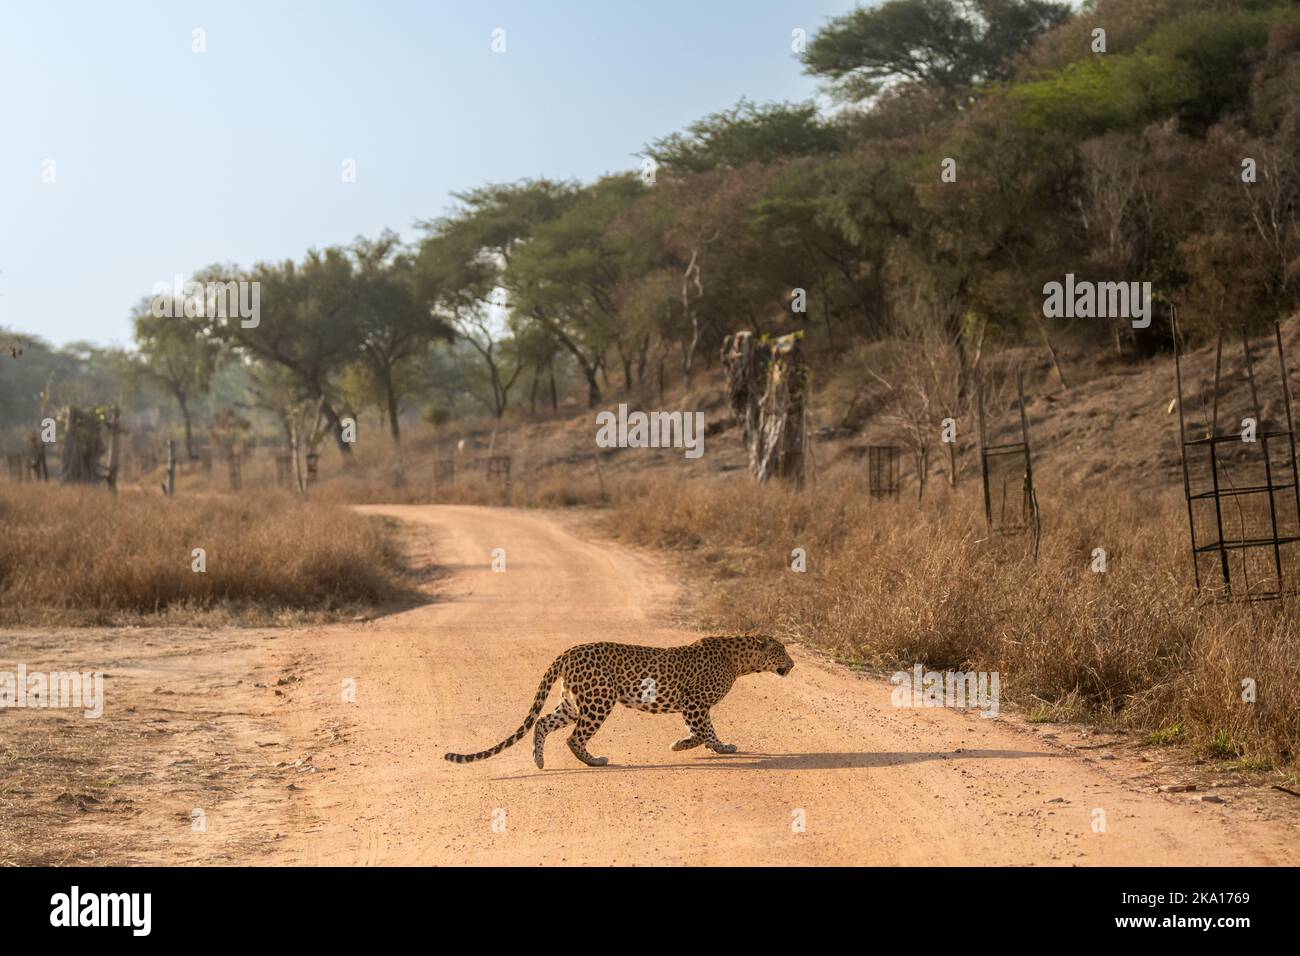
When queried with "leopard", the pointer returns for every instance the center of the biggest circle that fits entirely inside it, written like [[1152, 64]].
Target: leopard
[[689, 680]]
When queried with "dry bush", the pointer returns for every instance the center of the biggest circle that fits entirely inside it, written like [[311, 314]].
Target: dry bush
[[890, 584], [83, 556]]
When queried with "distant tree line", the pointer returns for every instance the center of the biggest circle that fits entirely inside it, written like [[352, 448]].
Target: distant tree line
[[979, 149]]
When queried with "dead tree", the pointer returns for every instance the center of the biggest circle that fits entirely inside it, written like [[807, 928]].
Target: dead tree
[[36, 463], [921, 368], [303, 439], [767, 381], [114, 448], [230, 437], [84, 445]]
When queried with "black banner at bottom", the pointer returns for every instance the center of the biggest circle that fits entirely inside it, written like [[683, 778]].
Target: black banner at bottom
[[335, 905]]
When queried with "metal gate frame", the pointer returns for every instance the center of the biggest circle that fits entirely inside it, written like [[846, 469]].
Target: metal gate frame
[[883, 471], [1029, 517], [1222, 544]]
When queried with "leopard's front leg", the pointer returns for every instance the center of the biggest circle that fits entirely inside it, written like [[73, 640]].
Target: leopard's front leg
[[702, 732]]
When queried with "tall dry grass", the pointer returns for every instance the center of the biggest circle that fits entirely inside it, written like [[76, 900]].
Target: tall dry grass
[[83, 556], [528, 488], [892, 584]]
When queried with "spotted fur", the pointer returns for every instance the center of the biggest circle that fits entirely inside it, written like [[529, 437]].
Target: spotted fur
[[686, 680]]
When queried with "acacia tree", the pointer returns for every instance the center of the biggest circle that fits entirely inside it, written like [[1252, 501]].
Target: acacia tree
[[462, 263], [462, 279], [177, 353], [502, 360], [307, 325], [538, 349], [566, 279], [705, 222], [747, 133], [946, 45], [393, 320], [275, 390]]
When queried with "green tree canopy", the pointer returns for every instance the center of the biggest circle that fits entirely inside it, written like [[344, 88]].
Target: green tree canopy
[[948, 45], [747, 133]]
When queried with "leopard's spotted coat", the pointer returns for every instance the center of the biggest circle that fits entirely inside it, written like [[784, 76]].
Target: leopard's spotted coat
[[685, 680]]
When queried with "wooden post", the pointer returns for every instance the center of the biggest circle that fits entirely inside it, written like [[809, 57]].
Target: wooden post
[[170, 487], [295, 439], [595, 457], [36, 461], [114, 450], [71, 447]]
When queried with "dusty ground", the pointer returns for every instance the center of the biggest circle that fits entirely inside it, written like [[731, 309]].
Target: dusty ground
[[254, 729]]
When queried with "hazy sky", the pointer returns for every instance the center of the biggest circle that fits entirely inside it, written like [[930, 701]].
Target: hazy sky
[[164, 160]]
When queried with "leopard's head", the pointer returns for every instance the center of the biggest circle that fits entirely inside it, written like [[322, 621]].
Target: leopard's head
[[769, 654]]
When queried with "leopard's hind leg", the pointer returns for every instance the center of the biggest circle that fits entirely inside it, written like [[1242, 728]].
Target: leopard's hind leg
[[592, 711], [562, 716]]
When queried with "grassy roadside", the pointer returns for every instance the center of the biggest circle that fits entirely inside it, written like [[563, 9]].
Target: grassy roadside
[[72, 556], [888, 585]]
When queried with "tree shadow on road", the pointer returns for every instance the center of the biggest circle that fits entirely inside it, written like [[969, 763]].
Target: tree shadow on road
[[866, 760]]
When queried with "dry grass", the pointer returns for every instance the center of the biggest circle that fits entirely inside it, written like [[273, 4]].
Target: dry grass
[[375, 478], [889, 585], [83, 556]]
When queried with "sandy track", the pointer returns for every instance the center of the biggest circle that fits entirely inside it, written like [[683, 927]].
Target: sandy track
[[873, 784]]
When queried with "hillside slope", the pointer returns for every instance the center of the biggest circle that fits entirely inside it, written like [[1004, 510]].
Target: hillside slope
[[1115, 423]]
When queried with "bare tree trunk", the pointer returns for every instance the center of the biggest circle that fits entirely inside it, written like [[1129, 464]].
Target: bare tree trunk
[[114, 450], [767, 384], [394, 428], [336, 426], [295, 442], [82, 446], [183, 402], [691, 277], [37, 463]]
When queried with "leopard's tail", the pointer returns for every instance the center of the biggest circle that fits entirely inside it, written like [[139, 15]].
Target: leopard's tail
[[543, 690]]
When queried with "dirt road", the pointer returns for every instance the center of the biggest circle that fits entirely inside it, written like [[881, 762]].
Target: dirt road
[[325, 745], [829, 771]]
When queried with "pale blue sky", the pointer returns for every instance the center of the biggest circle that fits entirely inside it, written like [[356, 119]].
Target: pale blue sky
[[166, 160]]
